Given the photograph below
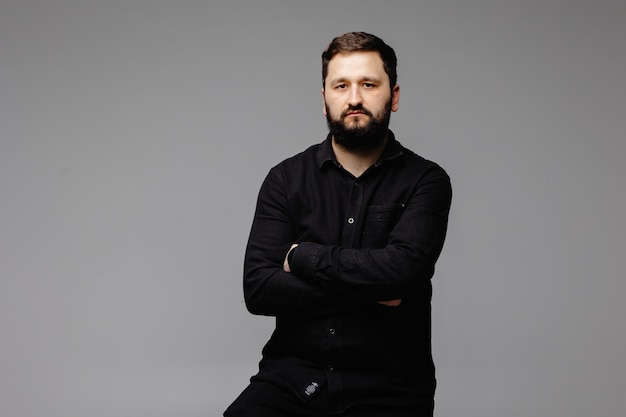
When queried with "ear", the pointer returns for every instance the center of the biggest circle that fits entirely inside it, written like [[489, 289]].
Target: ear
[[395, 97], [323, 102]]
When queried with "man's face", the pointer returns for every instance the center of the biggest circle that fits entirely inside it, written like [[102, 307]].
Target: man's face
[[358, 100]]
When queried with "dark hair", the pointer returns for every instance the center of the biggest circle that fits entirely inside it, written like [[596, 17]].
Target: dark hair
[[361, 41]]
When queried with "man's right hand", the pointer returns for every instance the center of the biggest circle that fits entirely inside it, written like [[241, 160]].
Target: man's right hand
[[286, 266]]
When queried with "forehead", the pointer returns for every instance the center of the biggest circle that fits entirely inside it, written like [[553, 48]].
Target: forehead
[[360, 64]]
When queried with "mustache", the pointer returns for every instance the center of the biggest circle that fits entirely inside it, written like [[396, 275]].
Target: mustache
[[359, 108]]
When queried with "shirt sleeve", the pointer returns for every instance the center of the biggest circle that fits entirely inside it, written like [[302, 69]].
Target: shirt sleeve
[[396, 270], [268, 289]]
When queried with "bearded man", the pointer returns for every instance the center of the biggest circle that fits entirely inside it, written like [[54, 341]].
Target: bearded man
[[341, 251]]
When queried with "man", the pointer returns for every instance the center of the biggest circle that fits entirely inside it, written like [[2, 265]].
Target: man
[[341, 251]]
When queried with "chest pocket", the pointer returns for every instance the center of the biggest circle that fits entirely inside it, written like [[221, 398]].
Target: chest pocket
[[379, 221]]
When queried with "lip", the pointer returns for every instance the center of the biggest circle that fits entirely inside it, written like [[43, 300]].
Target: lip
[[355, 113]]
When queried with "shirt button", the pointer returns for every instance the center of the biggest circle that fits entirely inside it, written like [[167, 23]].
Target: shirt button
[[351, 220], [331, 331], [356, 183], [330, 368]]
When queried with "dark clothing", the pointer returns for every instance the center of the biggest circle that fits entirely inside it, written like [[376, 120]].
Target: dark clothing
[[361, 240], [262, 399]]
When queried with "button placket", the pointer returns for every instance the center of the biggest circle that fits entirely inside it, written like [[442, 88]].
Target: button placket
[[355, 188]]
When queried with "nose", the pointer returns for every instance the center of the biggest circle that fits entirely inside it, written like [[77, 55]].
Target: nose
[[355, 97]]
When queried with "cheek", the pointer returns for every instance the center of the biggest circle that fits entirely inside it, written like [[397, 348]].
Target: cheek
[[379, 106], [333, 109]]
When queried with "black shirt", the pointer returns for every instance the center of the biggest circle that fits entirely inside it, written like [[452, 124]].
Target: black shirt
[[360, 241]]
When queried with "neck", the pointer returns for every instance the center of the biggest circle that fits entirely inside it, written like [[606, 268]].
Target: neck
[[357, 162]]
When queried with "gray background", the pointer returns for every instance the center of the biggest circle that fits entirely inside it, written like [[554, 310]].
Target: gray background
[[134, 136]]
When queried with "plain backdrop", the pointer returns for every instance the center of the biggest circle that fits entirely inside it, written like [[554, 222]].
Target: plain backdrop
[[134, 136]]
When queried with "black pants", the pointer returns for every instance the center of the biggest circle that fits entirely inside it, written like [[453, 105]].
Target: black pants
[[261, 399]]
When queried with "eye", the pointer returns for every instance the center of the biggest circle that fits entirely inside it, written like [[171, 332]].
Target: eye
[[340, 86], [369, 85]]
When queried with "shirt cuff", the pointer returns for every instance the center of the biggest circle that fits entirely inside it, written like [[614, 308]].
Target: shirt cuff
[[304, 258]]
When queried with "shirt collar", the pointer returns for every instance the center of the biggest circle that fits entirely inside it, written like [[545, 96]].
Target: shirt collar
[[325, 153]]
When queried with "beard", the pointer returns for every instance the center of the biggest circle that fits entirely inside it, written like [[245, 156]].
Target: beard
[[360, 138]]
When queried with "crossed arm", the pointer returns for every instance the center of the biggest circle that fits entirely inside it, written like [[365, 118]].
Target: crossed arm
[[318, 279], [389, 303]]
